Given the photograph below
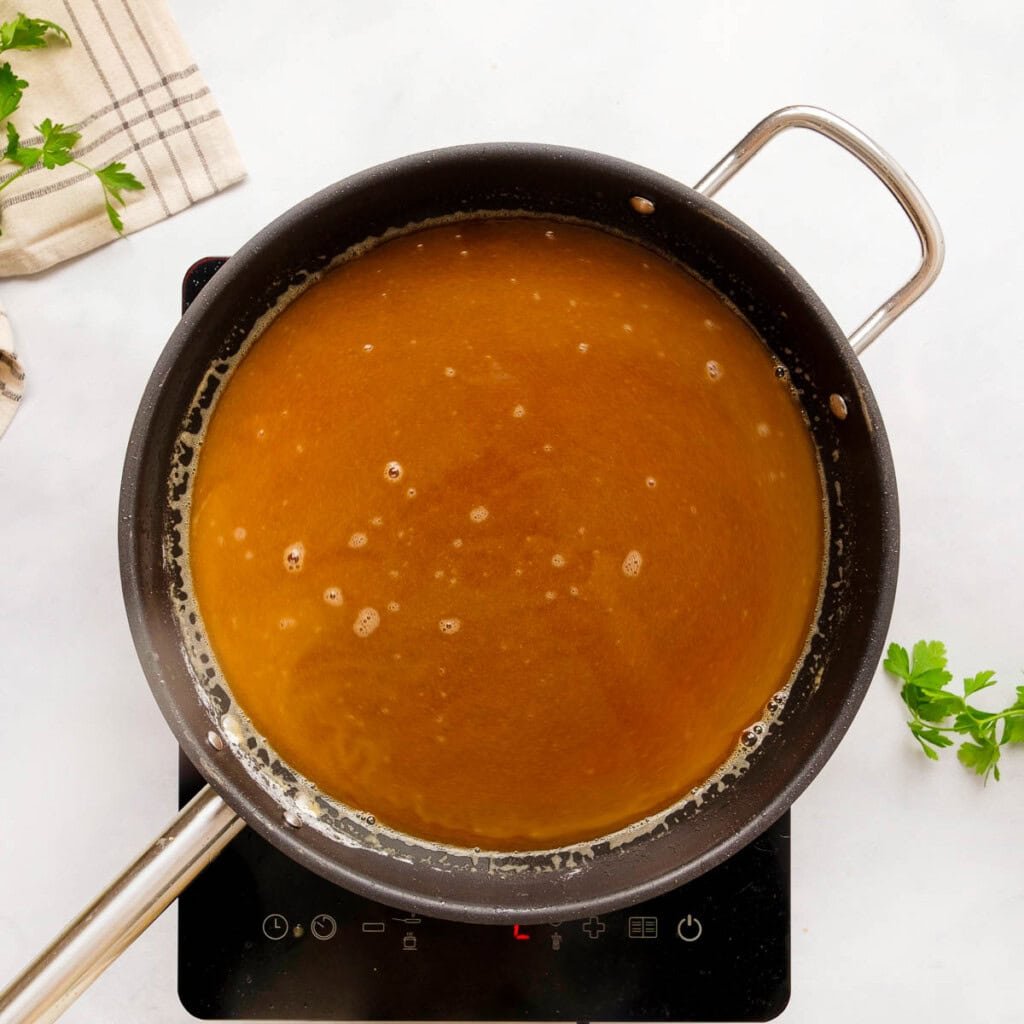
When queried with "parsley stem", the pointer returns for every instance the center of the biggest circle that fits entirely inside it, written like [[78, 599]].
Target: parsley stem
[[13, 177], [91, 170], [982, 724]]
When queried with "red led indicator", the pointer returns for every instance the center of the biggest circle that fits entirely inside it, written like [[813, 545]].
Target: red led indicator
[[519, 935]]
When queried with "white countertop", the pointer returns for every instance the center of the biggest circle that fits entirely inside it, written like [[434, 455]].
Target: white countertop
[[907, 882]]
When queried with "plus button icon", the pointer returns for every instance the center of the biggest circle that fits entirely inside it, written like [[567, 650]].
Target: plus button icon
[[594, 927]]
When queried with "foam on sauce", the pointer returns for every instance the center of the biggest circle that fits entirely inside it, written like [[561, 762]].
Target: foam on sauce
[[493, 711]]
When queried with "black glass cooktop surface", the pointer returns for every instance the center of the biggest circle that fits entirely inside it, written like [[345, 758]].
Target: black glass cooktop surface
[[262, 938]]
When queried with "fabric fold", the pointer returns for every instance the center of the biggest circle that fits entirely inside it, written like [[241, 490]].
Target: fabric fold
[[12, 378]]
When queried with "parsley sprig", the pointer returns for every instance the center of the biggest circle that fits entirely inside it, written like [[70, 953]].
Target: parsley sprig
[[924, 691], [58, 140]]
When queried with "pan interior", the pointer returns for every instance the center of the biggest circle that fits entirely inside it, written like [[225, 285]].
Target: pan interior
[[774, 576], [856, 599]]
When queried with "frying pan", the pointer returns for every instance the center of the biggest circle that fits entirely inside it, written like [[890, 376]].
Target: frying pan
[[249, 784]]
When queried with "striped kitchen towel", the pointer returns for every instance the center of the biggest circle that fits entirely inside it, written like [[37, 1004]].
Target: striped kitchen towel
[[129, 85]]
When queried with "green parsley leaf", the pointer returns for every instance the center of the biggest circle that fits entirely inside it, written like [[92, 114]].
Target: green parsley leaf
[[114, 217], [927, 736], [115, 180], [981, 756], [979, 682], [897, 662], [930, 655], [58, 142], [928, 751], [1013, 730], [11, 89], [25, 33], [931, 678], [971, 720], [24, 156], [924, 677], [934, 706]]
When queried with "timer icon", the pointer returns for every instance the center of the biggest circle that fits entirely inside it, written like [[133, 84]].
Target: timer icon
[[323, 927]]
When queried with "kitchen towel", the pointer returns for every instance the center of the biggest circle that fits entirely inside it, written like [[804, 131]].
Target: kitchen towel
[[128, 83]]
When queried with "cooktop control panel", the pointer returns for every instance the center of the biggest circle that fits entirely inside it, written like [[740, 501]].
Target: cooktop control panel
[[262, 938]]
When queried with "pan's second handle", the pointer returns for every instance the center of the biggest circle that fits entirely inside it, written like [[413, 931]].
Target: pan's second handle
[[895, 179], [134, 901]]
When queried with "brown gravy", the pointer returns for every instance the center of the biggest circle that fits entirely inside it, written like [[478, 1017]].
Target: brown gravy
[[505, 530]]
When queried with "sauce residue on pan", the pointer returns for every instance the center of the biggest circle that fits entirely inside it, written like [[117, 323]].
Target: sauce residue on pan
[[505, 530]]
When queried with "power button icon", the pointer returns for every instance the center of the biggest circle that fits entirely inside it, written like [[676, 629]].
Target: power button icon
[[689, 928]]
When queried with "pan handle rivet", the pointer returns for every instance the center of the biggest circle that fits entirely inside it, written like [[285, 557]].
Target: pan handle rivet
[[292, 819], [642, 205], [214, 739], [838, 406]]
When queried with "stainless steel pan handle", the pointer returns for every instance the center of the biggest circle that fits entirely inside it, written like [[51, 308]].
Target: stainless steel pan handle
[[99, 935], [883, 166]]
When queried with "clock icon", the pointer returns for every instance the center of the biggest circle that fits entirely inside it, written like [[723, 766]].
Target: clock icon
[[275, 927]]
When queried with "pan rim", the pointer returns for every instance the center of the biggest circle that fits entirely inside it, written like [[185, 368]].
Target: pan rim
[[292, 842]]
